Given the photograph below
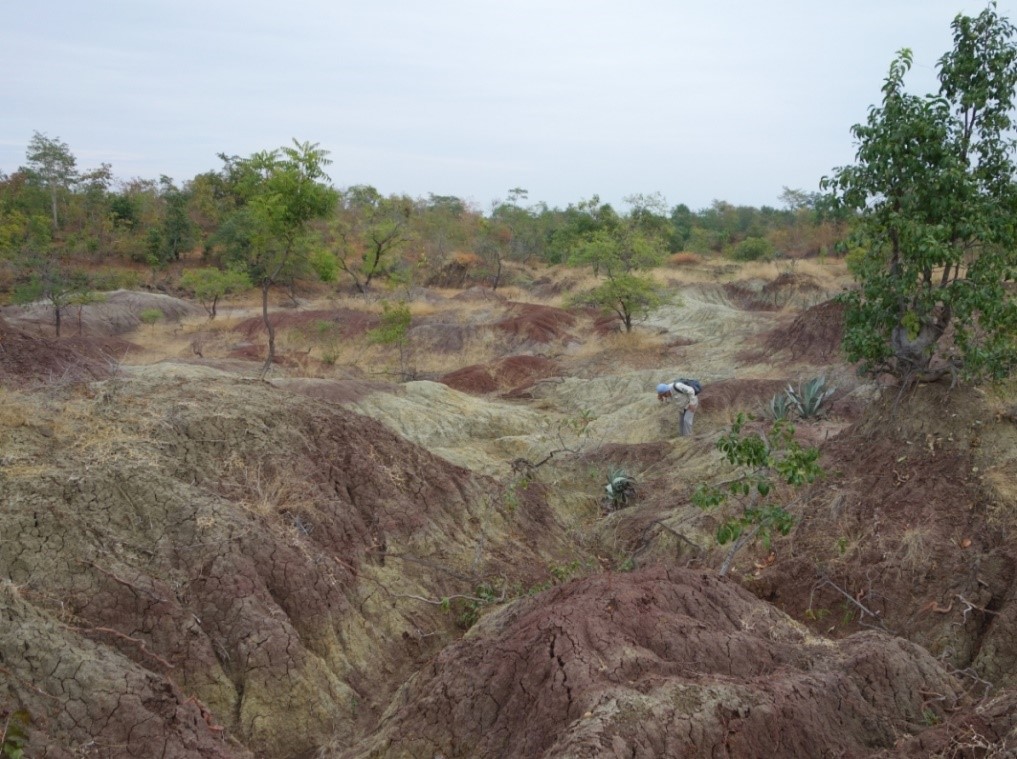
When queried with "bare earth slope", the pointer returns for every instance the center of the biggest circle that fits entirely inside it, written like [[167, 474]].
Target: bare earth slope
[[653, 664], [233, 552], [330, 564]]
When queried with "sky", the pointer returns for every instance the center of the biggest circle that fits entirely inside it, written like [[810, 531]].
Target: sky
[[698, 100]]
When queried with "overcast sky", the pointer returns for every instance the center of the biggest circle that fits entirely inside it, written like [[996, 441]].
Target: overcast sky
[[700, 100]]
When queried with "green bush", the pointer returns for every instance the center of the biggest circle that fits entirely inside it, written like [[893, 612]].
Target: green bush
[[753, 249], [150, 316]]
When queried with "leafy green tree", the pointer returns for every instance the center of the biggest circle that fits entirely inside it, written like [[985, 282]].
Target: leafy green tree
[[933, 189], [753, 249], [372, 229], [621, 248], [753, 503], [25, 223], [681, 220], [209, 285], [394, 330], [178, 232], [280, 192], [627, 295], [49, 279], [52, 161], [520, 232]]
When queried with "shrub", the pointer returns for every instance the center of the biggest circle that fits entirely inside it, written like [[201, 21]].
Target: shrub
[[753, 249], [150, 316], [619, 489]]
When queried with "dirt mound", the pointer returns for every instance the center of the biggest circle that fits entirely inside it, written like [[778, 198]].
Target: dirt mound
[[815, 335], [659, 663], [109, 706], [347, 322], [476, 380], [268, 554], [512, 374], [118, 313], [749, 395], [440, 337], [529, 322], [987, 730], [25, 359], [787, 289], [633, 456], [333, 391], [907, 532]]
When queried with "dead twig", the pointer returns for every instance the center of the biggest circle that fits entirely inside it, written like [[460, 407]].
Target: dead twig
[[856, 602]]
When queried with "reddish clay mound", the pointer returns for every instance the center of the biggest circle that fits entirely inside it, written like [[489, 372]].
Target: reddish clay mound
[[750, 395], [24, 359], [276, 558], [986, 730], [476, 380], [659, 663], [815, 335], [901, 534], [606, 323], [346, 321], [517, 372], [632, 456], [535, 323], [514, 374]]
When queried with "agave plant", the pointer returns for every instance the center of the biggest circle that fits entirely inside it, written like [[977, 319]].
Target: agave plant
[[620, 488], [809, 398], [780, 406]]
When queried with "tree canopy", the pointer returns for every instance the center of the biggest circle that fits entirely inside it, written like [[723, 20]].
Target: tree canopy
[[933, 187]]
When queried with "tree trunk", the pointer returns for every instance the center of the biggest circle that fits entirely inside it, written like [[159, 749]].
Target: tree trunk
[[913, 355], [497, 276], [741, 541], [268, 327], [53, 199]]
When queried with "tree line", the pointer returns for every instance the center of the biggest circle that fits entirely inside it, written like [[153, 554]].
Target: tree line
[[925, 216], [49, 209]]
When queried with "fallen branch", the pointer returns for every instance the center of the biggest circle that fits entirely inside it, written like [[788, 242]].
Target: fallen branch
[[865, 610]]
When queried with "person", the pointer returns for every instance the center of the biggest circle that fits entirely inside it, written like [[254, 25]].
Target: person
[[686, 394]]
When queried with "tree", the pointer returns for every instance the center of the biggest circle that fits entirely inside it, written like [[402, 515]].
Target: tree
[[177, 233], [374, 227], [50, 280], [627, 295], [753, 249], [52, 161], [933, 190], [209, 285], [394, 330], [279, 193]]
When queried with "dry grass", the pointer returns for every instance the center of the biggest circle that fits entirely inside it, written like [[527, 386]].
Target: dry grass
[[916, 548], [621, 343], [685, 258], [16, 409]]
